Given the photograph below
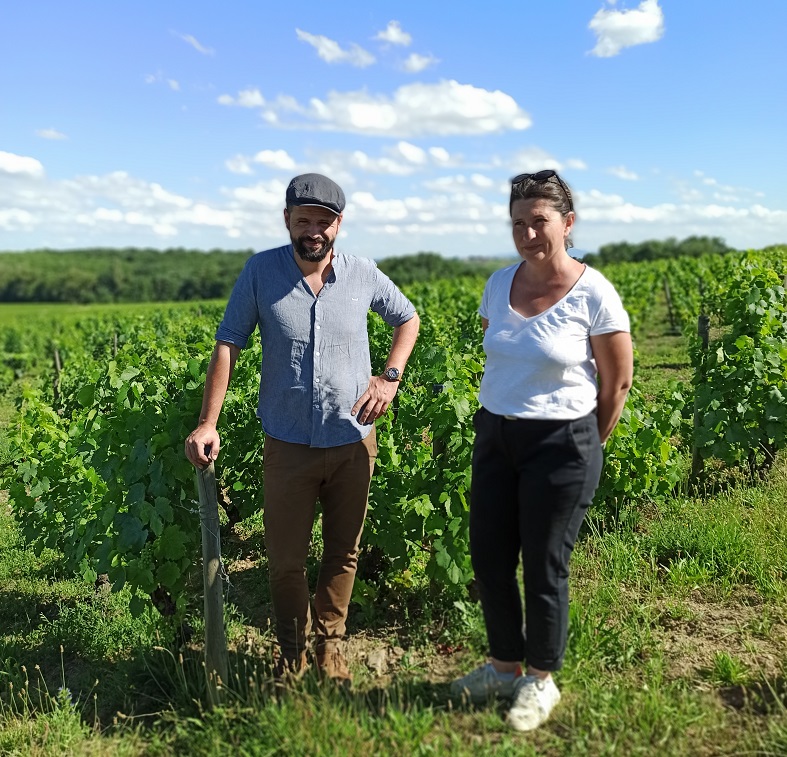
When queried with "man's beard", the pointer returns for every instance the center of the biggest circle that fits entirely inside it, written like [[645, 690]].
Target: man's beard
[[309, 255]]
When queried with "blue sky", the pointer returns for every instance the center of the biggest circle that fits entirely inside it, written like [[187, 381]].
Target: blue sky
[[180, 124]]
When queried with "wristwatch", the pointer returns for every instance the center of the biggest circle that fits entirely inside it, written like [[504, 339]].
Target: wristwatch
[[392, 374]]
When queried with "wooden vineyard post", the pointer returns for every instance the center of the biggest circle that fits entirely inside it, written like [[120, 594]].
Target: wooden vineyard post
[[56, 382], [673, 328], [703, 331], [438, 445], [216, 667]]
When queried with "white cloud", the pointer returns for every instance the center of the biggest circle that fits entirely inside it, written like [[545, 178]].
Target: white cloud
[[576, 164], [445, 108], [50, 134], [533, 159], [278, 159], [15, 219], [238, 164], [411, 153], [336, 164], [621, 172], [458, 214], [20, 165], [481, 181], [400, 159], [416, 63], [189, 39], [331, 52], [440, 155], [265, 194], [275, 159], [394, 35], [616, 30], [247, 98], [159, 78]]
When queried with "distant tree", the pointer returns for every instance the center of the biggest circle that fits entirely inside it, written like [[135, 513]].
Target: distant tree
[[654, 249], [117, 275], [429, 266]]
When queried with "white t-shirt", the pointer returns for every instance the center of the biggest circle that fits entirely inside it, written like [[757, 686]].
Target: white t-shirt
[[542, 367]]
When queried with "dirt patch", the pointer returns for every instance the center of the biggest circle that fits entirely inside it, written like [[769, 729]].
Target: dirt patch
[[695, 632]]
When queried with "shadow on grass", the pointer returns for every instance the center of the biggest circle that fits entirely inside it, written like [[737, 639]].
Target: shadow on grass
[[763, 697]]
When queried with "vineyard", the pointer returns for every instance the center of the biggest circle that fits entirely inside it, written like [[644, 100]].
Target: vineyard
[[97, 474], [100, 475]]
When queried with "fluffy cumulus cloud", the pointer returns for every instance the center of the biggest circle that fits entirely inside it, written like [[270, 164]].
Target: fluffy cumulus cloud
[[405, 197], [605, 217], [415, 63], [393, 34], [399, 159], [120, 209], [20, 165], [444, 108], [239, 164], [331, 52], [246, 98], [618, 29], [276, 159]]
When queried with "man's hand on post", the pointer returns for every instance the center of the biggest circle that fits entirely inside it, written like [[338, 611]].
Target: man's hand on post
[[202, 445], [374, 402]]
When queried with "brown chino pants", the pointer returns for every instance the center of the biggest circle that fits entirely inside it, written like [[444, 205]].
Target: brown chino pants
[[296, 477]]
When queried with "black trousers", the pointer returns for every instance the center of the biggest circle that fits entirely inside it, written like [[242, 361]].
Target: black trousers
[[533, 481]]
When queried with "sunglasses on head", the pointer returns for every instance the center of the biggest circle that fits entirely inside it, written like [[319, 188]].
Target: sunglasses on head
[[543, 176]]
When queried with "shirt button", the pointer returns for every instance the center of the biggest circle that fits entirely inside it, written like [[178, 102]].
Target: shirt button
[[316, 354], [317, 380], [317, 326]]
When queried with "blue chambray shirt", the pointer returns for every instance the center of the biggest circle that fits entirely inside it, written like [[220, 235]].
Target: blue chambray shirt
[[315, 362]]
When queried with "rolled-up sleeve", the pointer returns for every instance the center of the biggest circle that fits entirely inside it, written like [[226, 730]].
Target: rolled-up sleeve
[[241, 314], [389, 302]]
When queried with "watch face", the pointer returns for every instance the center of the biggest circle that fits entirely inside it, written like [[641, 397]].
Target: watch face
[[392, 374]]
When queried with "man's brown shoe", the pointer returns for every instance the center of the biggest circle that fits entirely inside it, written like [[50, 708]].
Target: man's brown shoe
[[332, 664], [288, 668]]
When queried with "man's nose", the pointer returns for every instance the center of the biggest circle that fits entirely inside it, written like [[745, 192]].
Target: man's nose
[[314, 230]]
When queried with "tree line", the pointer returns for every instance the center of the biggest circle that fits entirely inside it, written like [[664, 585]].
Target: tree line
[[656, 249], [149, 275], [118, 275]]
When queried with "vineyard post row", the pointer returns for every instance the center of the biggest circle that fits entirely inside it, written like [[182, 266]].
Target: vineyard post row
[[99, 473]]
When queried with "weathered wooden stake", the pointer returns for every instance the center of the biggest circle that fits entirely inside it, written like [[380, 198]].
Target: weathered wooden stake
[[438, 445], [668, 295], [697, 463], [56, 382], [216, 663]]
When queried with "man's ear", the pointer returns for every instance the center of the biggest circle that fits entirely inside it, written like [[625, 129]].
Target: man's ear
[[286, 219]]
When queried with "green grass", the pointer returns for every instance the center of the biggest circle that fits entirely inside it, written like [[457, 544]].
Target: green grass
[[677, 646], [18, 313], [651, 663]]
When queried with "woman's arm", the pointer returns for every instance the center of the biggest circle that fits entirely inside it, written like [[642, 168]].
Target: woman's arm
[[614, 358]]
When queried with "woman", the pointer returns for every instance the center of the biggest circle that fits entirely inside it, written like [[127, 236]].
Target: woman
[[558, 369]]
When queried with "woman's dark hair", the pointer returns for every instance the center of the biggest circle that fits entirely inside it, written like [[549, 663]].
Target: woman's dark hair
[[552, 189]]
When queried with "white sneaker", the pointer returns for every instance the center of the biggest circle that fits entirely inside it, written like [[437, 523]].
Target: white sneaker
[[534, 699], [484, 683]]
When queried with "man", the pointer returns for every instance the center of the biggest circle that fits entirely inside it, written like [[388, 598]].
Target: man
[[318, 402]]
